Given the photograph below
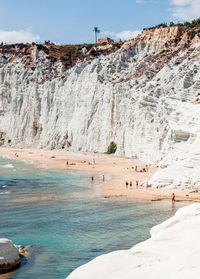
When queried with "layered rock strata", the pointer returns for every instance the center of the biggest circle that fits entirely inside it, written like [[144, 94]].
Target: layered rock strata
[[145, 97]]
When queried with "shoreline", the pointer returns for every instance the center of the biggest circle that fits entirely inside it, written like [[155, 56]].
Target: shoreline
[[116, 171], [171, 249]]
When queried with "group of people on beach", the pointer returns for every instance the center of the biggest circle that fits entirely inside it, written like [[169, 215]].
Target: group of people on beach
[[145, 169], [127, 184], [71, 164], [89, 163], [131, 184]]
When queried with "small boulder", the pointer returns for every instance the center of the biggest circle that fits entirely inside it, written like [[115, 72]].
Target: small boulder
[[10, 257]]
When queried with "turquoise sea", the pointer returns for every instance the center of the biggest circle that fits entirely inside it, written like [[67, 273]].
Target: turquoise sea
[[58, 214]]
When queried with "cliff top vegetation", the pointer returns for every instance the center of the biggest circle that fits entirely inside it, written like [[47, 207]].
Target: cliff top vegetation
[[194, 23], [69, 55]]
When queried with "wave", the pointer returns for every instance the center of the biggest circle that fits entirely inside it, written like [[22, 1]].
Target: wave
[[5, 156], [5, 193], [28, 162], [8, 166], [42, 166]]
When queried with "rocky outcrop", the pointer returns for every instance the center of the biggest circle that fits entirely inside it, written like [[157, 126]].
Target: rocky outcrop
[[144, 96], [172, 252], [53, 59], [10, 257]]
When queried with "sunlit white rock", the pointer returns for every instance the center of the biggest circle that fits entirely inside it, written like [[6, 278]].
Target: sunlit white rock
[[154, 117], [173, 252]]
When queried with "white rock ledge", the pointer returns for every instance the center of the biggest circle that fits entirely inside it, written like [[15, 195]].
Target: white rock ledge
[[172, 252], [10, 257]]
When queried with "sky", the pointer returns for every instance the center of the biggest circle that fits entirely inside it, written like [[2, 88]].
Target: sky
[[73, 21]]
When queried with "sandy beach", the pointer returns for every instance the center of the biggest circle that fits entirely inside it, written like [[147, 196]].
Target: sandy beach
[[116, 171]]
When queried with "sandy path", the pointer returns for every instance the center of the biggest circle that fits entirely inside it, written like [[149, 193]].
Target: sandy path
[[117, 171]]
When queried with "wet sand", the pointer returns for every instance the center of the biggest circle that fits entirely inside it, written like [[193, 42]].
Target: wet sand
[[116, 171]]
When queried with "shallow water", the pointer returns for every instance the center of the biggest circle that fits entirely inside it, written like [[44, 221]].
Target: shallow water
[[57, 213]]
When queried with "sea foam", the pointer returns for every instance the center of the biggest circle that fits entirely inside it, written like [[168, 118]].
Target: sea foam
[[5, 156], [8, 166], [5, 193], [28, 162]]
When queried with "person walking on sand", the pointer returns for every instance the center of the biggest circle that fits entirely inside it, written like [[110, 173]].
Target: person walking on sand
[[135, 168], [103, 177], [67, 163], [130, 184], [173, 197], [126, 185], [136, 183]]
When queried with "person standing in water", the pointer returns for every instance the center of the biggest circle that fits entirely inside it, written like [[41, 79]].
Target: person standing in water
[[92, 178], [173, 197]]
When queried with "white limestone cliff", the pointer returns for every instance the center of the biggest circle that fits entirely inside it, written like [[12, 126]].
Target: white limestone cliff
[[145, 97], [173, 252]]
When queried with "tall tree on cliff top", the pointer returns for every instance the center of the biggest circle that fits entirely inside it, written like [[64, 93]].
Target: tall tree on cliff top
[[96, 31]]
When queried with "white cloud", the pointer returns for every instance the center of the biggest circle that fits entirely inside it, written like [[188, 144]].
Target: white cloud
[[124, 35], [185, 9], [127, 34], [181, 2], [21, 36]]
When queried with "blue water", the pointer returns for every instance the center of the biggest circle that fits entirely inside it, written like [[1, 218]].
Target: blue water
[[57, 213]]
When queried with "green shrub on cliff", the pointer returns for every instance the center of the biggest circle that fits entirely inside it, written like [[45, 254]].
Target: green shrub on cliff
[[195, 22], [111, 148]]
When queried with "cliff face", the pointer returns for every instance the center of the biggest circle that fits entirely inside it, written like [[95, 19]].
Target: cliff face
[[145, 97]]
